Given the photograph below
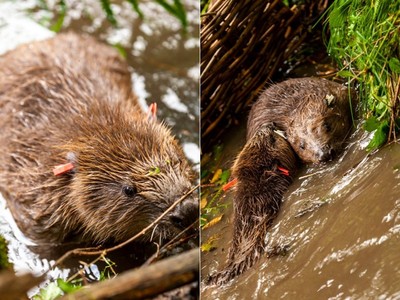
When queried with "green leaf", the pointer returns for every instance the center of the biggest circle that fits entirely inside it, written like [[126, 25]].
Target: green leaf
[[176, 9], [135, 6], [225, 176], [50, 292], [394, 65], [105, 4], [67, 287], [121, 50], [345, 74], [371, 124], [181, 13], [56, 27], [380, 137], [154, 171]]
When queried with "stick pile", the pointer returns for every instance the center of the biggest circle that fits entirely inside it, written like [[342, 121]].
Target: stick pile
[[243, 44]]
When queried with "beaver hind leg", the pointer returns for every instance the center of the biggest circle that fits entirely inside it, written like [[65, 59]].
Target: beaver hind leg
[[264, 170]]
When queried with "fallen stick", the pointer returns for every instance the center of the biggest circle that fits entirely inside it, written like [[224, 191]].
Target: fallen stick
[[148, 281]]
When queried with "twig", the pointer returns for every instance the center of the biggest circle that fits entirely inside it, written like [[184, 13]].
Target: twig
[[170, 243], [85, 251], [145, 282]]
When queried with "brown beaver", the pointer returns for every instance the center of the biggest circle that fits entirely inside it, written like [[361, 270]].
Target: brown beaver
[[314, 113], [69, 100], [314, 116]]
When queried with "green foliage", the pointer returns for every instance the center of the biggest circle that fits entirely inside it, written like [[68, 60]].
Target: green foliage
[[176, 9], [213, 179], [154, 171], [394, 65], [371, 124], [69, 287], [135, 6], [4, 263], [204, 4], [105, 4], [381, 132], [58, 288], [108, 271], [50, 292], [121, 50], [365, 42], [380, 136], [56, 27]]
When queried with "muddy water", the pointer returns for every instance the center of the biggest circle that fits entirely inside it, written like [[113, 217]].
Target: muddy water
[[165, 69], [342, 226]]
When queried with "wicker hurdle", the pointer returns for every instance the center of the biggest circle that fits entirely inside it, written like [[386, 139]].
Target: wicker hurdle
[[243, 44]]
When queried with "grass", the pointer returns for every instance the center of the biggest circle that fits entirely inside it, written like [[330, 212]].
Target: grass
[[365, 42]]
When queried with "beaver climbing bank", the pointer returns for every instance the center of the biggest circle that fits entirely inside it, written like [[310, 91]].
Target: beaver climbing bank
[[296, 120], [68, 100], [314, 113]]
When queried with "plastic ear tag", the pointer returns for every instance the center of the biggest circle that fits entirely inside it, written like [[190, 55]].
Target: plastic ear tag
[[284, 171], [229, 185], [152, 113], [62, 169]]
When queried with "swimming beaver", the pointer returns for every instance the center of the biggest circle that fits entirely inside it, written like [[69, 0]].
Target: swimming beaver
[[68, 101], [303, 119]]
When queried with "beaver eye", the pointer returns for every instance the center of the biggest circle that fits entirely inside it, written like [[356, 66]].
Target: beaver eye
[[129, 191], [302, 145], [327, 127]]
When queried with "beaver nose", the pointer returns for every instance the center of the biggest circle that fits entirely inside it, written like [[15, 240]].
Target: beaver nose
[[185, 214], [327, 154]]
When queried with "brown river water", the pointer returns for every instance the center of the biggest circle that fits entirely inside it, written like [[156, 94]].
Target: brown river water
[[341, 223]]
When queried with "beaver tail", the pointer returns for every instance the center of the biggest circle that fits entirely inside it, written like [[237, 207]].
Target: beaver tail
[[264, 170]]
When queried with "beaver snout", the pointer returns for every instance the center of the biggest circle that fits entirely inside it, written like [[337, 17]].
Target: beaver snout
[[185, 214], [327, 153]]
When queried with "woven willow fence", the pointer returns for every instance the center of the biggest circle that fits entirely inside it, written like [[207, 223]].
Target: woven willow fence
[[243, 44]]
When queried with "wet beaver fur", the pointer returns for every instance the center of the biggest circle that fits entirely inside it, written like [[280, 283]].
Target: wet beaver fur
[[296, 120], [69, 100]]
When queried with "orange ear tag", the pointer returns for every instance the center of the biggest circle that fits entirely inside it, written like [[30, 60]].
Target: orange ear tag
[[152, 113], [229, 185], [284, 171], [62, 169]]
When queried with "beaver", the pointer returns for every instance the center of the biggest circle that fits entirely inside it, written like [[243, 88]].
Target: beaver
[[314, 113], [298, 120], [68, 101]]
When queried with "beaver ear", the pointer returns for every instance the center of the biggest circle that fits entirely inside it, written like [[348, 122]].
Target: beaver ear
[[329, 100]]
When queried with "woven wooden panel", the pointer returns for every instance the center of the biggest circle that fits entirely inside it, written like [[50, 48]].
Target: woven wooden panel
[[243, 44]]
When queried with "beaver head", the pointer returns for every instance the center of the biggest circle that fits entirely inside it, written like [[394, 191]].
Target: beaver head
[[319, 128], [127, 172]]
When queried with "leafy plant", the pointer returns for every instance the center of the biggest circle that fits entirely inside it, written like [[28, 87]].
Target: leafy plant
[[50, 292], [213, 179], [365, 41]]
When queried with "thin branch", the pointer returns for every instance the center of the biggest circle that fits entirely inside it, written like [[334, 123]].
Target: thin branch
[[85, 251]]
